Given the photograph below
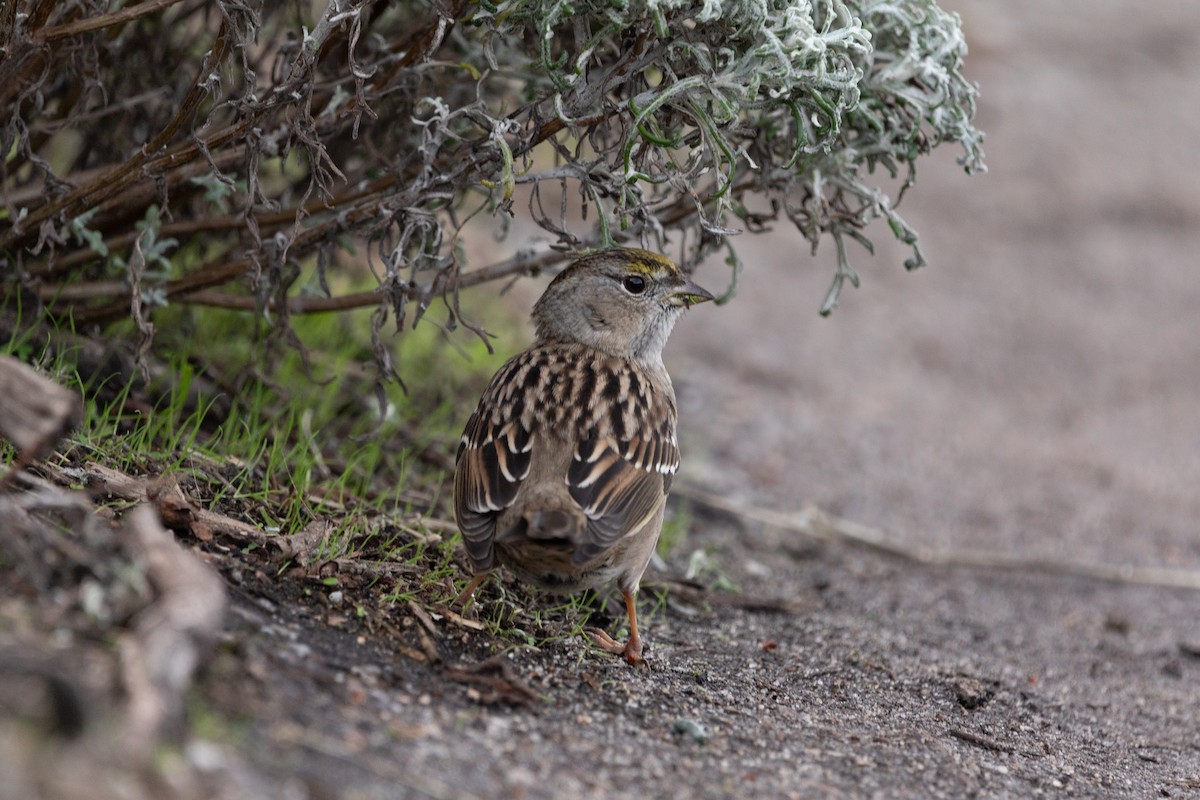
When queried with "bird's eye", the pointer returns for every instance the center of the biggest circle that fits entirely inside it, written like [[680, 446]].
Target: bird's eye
[[634, 284]]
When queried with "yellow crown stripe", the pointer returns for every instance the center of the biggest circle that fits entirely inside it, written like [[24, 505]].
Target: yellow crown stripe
[[649, 263]]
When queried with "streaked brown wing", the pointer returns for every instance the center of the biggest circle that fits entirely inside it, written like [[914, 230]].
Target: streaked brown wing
[[620, 485], [492, 462]]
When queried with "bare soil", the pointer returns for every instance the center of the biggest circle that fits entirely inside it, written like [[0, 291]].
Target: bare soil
[[1031, 395]]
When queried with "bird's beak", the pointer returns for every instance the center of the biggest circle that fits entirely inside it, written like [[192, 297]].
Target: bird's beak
[[689, 294]]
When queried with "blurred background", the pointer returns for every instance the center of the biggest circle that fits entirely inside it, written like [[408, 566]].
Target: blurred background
[[1036, 388]]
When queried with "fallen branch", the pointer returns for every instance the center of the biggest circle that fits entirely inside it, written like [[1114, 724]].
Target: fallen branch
[[172, 635], [108, 711], [35, 412], [813, 522]]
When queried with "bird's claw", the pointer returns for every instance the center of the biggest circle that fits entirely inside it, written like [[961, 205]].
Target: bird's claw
[[631, 651]]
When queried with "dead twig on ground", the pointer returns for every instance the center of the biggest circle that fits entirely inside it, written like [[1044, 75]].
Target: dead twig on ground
[[811, 521], [492, 681], [979, 740], [693, 592]]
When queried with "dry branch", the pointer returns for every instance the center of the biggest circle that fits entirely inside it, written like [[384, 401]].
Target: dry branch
[[109, 710], [171, 637], [815, 523], [103, 21], [35, 412]]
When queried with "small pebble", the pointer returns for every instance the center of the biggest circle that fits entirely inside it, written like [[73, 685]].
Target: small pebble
[[1190, 648], [971, 693], [692, 728]]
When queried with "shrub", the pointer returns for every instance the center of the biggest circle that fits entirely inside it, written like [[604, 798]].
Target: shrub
[[229, 153]]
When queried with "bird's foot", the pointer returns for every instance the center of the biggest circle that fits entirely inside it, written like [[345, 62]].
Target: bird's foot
[[631, 650]]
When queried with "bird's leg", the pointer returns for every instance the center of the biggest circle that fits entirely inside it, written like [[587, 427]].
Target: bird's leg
[[631, 650], [465, 597]]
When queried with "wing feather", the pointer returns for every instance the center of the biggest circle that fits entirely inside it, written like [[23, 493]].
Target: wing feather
[[620, 485], [494, 457]]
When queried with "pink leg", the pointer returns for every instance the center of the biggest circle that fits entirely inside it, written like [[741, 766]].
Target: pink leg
[[631, 650]]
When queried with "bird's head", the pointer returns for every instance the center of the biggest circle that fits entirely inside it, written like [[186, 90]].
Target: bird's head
[[621, 301]]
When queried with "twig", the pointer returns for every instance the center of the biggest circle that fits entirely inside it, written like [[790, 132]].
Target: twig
[[295, 305], [1186, 783], [426, 630], [812, 521], [176, 509], [115, 179], [498, 679], [105, 20], [979, 740], [423, 617], [518, 264], [461, 621]]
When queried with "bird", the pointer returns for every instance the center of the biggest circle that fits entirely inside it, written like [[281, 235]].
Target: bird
[[563, 469]]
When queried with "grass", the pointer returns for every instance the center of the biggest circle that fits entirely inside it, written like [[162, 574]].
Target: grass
[[313, 435], [312, 442], [315, 442]]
